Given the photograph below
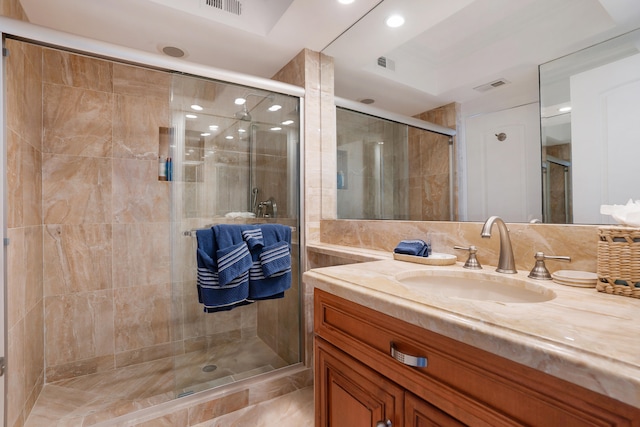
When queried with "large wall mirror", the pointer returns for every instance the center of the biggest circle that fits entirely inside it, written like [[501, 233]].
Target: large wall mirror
[[485, 55]]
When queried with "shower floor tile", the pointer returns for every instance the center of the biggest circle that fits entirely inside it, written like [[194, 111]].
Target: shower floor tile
[[90, 399]]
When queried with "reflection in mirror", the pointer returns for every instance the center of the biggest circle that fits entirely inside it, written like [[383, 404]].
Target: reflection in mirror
[[589, 111], [389, 170], [464, 52]]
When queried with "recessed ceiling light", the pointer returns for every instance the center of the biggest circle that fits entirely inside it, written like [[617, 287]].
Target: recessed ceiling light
[[275, 107], [191, 116], [229, 137], [345, 1], [564, 109], [174, 52], [241, 131], [205, 134], [395, 21], [196, 107], [276, 128], [239, 101], [213, 127], [287, 122]]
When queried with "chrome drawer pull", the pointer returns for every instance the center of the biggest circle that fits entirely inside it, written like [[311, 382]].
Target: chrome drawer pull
[[417, 361], [386, 423]]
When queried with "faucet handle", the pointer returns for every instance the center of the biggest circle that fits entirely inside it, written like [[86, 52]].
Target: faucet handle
[[472, 262], [539, 270]]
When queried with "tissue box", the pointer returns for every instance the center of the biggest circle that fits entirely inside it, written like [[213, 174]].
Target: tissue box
[[619, 261]]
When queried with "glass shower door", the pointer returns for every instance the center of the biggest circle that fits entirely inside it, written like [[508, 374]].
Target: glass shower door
[[234, 160]]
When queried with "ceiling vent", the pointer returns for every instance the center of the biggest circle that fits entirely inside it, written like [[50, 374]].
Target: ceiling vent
[[231, 6], [492, 85], [387, 63]]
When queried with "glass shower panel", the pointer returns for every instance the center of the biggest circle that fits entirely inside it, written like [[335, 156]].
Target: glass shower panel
[[234, 158]]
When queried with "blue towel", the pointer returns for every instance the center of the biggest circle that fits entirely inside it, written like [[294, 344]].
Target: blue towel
[[233, 256], [237, 265], [412, 247], [275, 258], [253, 236], [270, 274], [211, 293], [261, 287]]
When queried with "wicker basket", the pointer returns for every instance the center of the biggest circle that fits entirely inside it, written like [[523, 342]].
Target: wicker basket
[[619, 261]]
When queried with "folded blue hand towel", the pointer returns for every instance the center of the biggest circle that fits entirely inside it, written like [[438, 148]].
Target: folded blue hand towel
[[270, 274], [253, 237], [412, 247], [275, 258]]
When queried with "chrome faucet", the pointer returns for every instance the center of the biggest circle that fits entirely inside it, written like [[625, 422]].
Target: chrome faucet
[[506, 262]]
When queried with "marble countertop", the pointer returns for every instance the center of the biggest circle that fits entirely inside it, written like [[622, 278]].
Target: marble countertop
[[583, 336]]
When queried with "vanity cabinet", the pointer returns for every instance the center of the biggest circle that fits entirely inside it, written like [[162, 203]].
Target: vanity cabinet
[[358, 382]]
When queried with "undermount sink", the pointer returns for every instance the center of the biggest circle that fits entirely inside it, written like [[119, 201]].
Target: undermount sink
[[476, 286]]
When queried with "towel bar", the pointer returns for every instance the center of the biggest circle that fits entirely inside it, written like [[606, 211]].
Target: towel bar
[[192, 232]]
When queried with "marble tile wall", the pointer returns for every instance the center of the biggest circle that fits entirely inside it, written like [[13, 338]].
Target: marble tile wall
[[25, 323], [577, 241], [429, 166], [314, 72], [106, 218]]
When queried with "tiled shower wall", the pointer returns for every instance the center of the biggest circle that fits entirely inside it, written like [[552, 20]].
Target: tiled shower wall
[[25, 323], [106, 216]]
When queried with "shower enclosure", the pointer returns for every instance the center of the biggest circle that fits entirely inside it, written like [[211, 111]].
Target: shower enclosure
[[234, 151], [110, 167]]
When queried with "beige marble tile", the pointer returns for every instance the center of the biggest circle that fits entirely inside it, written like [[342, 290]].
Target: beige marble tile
[[33, 271], [77, 121], [217, 407], [142, 354], [577, 241], [31, 182], [76, 190], [16, 373], [138, 196], [77, 258], [141, 254], [294, 409], [16, 277], [142, 316], [136, 127], [78, 368], [271, 389], [14, 86], [32, 126], [14, 185], [179, 418], [68, 69], [131, 80], [34, 348], [79, 326]]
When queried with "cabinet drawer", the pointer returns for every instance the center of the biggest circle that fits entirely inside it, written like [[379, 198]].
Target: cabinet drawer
[[472, 385]]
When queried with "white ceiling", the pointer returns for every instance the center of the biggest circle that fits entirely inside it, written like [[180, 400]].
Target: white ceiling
[[445, 49]]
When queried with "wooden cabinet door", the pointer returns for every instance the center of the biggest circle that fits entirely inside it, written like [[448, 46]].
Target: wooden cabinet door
[[348, 394], [419, 413]]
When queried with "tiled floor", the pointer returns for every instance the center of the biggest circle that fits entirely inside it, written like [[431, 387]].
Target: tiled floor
[[291, 410], [89, 399]]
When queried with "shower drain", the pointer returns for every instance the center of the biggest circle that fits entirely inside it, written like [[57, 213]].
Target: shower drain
[[209, 368]]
